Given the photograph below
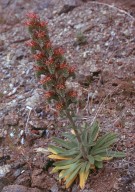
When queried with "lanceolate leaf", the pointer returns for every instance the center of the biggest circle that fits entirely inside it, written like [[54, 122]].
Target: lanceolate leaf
[[73, 174], [66, 162], [116, 154], [94, 131], [104, 139], [62, 142], [55, 149], [73, 167], [99, 164]]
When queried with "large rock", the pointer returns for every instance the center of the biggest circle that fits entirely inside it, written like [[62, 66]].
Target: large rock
[[19, 188]]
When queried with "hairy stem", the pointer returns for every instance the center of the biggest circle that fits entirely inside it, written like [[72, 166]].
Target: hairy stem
[[82, 148]]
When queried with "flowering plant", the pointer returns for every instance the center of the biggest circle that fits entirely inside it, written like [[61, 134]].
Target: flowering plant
[[81, 151]]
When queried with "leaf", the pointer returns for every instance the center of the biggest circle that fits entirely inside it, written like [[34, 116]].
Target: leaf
[[94, 131], [55, 149], [71, 152], [116, 154], [69, 136], [98, 158], [104, 139], [106, 158], [58, 168], [99, 164], [58, 157], [66, 162], [73, 174], [62, 143], [68, 184], [83, 174], [91, 159], [70, 170]]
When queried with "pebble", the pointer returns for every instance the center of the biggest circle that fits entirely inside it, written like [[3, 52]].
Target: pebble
[[4, 170]]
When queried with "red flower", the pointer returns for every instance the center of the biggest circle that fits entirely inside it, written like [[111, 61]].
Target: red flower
[[29, 23], [49, 94], [37, 68], [48, 45], [31, 43], [59, 106], [32, 15], [38, 56], [63, 65], [43, 24], [46, 80], [58, 51], [72, 94], [71, 69], [41, 34], [60, 87], [49, 62]]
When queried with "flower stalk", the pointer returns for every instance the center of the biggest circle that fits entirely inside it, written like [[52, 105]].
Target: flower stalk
[[52, 65]]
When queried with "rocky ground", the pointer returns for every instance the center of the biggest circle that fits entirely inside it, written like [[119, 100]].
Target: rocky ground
[[105, 60]]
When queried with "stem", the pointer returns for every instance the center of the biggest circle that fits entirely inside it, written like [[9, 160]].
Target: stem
[[82, 148]]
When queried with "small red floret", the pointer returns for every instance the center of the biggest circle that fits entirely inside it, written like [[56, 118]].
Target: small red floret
[[60, 86], [32, 15], [59, 106], [46, 80], [58, 51], [38, 56], [49, 94], [40, 34], [72, 94]]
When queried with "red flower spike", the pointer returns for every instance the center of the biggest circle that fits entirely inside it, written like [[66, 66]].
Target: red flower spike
[[59, 106], [41, 34], [60, 87], [32, 15], [46, 80], [38, 56], [31, 43], [72, 94], [49, 94], [58, 51]]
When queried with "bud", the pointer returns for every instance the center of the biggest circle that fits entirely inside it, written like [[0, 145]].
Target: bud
[[31, 44], [40, 34], [58, 51], [45, 80], [38, 56], [59, 106], [49, 94], [72, 93], [32, 15]]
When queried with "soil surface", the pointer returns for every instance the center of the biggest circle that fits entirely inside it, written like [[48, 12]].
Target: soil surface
[[105, 73]]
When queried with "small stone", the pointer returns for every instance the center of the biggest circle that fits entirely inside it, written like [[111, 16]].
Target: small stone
[[54, 188], [38, 124], [34, 100], [11, 119], [4, 170]]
